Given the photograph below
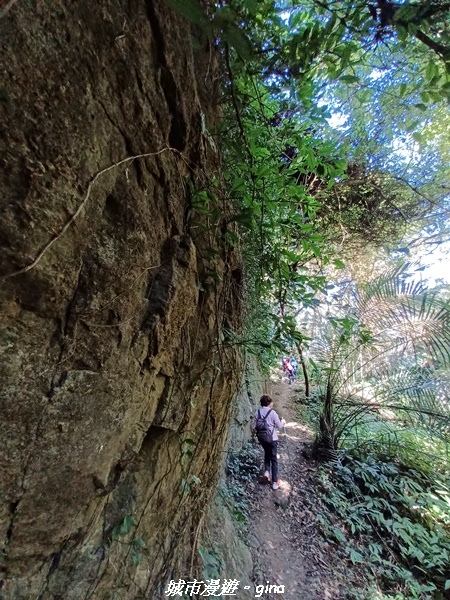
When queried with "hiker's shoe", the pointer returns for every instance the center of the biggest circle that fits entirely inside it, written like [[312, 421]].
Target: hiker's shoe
[[276, 485], [266, 477]]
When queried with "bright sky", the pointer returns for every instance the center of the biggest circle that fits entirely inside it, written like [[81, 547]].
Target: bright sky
[[437, 266], [337, 120]]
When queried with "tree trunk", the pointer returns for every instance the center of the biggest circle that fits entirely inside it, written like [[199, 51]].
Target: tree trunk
[[304, 370], [327, 432]]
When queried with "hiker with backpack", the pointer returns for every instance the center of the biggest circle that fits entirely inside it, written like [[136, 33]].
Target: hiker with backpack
[[289, 371], [265, 425]]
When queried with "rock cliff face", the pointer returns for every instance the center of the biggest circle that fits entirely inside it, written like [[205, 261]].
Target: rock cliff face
[[115, 382], [222, 540]]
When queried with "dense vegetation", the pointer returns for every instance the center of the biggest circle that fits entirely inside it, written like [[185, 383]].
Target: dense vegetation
[[335, 154]]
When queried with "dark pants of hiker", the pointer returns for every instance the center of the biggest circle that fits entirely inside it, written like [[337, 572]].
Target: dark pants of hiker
[[270, 458]]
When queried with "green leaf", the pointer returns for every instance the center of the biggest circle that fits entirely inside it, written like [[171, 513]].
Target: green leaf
[[341, 164], [340, 537], [127, 525], [230, 237], [412, 125], [244, 218], [185, 487], [431, 70], [239, 515], [232, 34], [349, 79], [263, 171], [356, 557], [402, 33], [239, 184], [315, 237], [403, 89]]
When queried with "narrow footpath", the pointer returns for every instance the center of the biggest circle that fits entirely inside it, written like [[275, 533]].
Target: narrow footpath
[[284, 526]]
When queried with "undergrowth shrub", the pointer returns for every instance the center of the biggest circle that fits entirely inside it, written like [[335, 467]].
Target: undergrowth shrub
[[411, 446], [393, 519]]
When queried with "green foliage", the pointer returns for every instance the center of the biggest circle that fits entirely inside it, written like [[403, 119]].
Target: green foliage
[[187, 451], [383, 368], [187, 483], [302, 194], [392, 519], [124, 528], [138, 546], [384, 372], [242, 468], [212, 563], [411, 446]]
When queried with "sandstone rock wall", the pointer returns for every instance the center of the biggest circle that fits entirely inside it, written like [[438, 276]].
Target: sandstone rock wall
[[222, 546], [254, 384], [115, 385]]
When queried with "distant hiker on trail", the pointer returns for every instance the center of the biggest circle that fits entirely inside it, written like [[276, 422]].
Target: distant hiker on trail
[[294, 365], [265, 425], [289, 371], [287, 367]]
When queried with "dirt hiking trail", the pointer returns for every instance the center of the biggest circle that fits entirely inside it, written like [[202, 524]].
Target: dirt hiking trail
[[283, 529]]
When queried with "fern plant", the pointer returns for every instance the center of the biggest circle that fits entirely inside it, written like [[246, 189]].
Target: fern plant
[[384, 367]]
